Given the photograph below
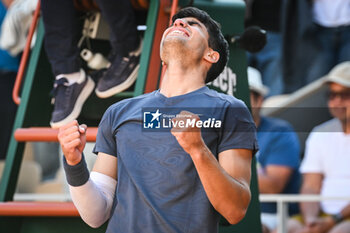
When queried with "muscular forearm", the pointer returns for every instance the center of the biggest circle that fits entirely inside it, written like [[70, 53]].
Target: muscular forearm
[[268, 184], [229, 196], [309, 210], [226, 180], [274, 178]]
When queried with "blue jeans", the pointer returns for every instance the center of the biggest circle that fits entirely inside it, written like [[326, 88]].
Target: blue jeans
[[333, 46], [62, 31], [268, 62]]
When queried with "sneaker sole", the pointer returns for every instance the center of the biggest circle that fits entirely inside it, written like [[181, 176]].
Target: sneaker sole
[[85, 93], [122, 87]]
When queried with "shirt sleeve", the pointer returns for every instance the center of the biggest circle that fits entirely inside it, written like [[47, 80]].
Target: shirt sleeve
[[105, 139], [312, 162], [238, 130]]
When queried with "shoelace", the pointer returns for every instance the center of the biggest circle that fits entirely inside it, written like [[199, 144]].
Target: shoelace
[[58, 83]]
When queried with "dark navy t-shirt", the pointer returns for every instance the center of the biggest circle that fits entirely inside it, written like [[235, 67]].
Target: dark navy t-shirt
[[159, 190], [279, 145]]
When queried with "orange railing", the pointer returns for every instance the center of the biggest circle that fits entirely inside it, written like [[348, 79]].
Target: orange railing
[[25, 55], [45, 134], [38, 209]]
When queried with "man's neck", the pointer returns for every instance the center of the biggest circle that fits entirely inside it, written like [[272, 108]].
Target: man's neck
[[180, 80], [257, 120]]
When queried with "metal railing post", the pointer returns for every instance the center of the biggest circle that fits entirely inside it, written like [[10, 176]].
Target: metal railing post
[[282, 215]]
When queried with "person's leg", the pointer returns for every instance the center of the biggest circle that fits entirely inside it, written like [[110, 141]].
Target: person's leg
[[294, 225], [120, 17], [268, 221], [72, 86], [268, 61], [344, 44], [324, 61], [62, 32], [265, 229], [343, 227], [126, 48]]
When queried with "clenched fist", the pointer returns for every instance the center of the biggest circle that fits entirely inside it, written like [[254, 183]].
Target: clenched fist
[[189, 137], [72, 138]]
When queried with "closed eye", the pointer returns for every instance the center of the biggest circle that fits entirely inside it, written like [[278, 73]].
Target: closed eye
[[191, 23]]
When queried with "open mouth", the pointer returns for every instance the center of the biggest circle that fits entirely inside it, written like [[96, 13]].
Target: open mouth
[[179, 32]]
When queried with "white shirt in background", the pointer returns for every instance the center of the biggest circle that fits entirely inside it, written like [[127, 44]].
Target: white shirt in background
[[328, 152], [331, 13]]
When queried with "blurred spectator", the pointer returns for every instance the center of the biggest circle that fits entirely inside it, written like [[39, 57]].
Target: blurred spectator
[[16, 25], [316, 38], [30, 172], [72, 85], [8, 71], [278, 155], [267, 15], [325, 167]]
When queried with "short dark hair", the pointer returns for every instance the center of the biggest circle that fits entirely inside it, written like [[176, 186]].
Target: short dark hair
[[216, 39]]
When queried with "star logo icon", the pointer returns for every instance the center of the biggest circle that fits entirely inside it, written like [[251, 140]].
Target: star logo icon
[[156, 115]]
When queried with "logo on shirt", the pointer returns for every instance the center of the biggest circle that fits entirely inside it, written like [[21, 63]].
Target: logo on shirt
[[160, 120], [151, 120]]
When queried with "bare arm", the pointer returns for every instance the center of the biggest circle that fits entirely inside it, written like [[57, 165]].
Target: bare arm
[[7, 3], [237, 164], [226, 182], [312, 183], [274, 178], [106, 164]]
